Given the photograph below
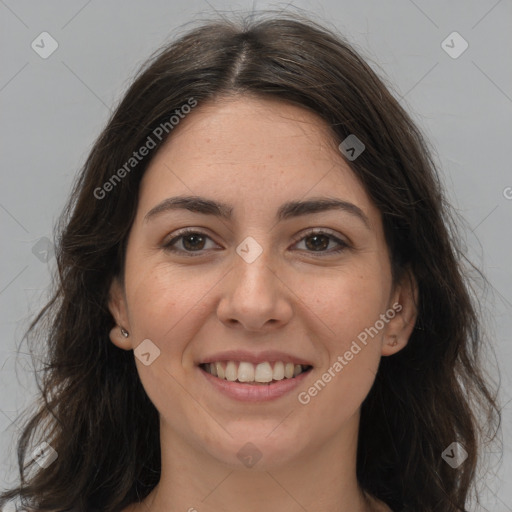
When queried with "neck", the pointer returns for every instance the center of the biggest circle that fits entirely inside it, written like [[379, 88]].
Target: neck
[[319, 479]]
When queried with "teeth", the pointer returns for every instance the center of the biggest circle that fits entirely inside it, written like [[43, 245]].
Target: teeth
[[248, 372], [263, 373], [278, 371], [220, 370], [231, 371], [245, 372]]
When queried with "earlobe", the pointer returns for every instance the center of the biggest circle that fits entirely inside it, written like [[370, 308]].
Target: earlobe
[[400, 327], [391, 345], [119, 334], [119, 339]]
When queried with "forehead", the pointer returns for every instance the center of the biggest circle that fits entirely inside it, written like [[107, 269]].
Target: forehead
[[253, 153]]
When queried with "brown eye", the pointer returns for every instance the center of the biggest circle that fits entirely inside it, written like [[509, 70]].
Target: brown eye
[[193, 242], [319, 241], [188, 241]]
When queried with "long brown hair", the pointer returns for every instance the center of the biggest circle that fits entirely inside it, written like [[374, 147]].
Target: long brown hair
[[93, 408]]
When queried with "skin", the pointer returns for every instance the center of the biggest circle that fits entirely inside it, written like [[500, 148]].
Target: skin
[[256, 154]]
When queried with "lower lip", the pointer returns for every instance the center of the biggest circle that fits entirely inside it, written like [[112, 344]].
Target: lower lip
[[254, 392]]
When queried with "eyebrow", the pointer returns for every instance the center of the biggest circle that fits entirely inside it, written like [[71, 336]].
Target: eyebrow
[[286, 211]]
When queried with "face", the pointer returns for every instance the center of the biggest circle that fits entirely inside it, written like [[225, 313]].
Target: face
[[257, 285]]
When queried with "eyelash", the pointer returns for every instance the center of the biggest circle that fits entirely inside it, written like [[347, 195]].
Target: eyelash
[[189, 231]]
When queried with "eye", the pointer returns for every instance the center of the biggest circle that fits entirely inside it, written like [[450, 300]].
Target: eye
[[190, 241], [319, 241], [194, 241]]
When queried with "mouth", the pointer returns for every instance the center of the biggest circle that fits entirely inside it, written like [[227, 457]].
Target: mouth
[[261, 374]]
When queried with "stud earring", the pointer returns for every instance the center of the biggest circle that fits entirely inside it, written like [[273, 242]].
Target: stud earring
[[394, 343], [124, 332]]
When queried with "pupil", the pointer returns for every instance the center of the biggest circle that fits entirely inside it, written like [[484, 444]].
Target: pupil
[[193, 245], [318, 245]]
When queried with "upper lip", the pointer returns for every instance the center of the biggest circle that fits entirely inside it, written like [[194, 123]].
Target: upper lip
[[254, 357]]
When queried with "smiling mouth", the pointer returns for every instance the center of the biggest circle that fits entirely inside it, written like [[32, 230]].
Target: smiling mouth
[[264, 373]]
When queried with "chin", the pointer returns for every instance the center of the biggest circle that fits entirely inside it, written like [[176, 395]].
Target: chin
[[256, 451]]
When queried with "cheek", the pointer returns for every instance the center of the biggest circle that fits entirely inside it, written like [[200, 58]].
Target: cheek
[[166, 307], [349, 309], [349, 302], [162, 301], [162, 295], [350, 305]]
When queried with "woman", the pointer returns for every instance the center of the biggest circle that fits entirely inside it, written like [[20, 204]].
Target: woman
[[261, 303]]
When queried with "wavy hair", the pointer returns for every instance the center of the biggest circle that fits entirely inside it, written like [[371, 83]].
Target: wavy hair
[[93, 409]]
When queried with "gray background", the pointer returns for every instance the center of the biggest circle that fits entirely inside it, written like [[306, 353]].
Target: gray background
[[52, 109]]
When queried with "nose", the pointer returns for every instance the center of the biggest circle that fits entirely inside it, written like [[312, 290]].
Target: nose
[[254, 297]]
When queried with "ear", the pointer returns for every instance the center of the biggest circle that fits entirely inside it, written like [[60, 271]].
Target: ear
[[117, 306], [404, 300]]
